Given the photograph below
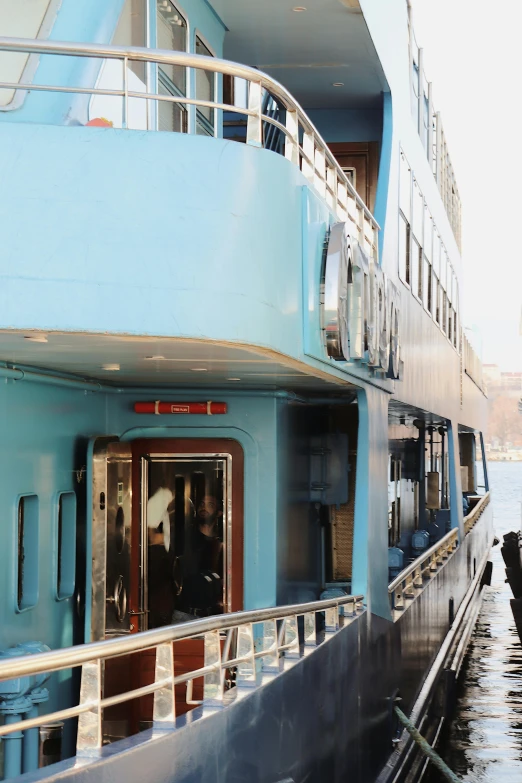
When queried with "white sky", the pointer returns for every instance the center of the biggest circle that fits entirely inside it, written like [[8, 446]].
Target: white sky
[[473, 56]]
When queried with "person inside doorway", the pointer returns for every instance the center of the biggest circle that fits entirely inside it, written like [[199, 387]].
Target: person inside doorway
[[201, 590]]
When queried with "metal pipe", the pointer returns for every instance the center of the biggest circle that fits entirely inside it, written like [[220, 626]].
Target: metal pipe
[[166, 57], [18, 374], [13, 749], [30, 744], [70, 657]]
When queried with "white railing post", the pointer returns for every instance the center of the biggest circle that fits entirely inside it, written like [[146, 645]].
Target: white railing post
[[164, 698], [289, 640], [246, 671], [292, 138], [308, 164], [89, 740], [254, 122], [214, 681]]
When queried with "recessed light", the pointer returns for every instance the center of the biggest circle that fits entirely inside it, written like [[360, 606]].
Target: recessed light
[[154, 358], [338, 84], [233, 379], [36, 338], [299, 8], [111, 367], [199, 369]]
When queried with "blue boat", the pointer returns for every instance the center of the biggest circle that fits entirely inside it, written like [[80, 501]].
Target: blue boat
[[244, 496]]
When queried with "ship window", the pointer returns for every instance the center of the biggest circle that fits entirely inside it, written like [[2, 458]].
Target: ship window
[[66, 550], [404, 249], [444, 323], [443, 268], [426, 284], [132, 31], [436, 253], [206, 91], [436, 299], [428, 235], [405, 188], [416, 270], [418, 213], [27, 555], [22, 20], [172, 79]]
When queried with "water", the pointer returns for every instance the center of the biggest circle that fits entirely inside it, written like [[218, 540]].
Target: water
[[483, 741]]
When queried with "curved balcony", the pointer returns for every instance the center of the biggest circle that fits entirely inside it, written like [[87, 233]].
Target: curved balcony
[[171, 235]]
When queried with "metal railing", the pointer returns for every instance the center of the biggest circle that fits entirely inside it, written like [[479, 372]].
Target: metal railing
[[446, 180], [414, 577], [303, 144], [472, 363], [256, 644], [473, 517]]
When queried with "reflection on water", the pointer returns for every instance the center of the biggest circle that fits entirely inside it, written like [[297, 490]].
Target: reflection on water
[[483, 742]]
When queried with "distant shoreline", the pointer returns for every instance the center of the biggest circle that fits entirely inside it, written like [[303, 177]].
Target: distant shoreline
[[504, 457]]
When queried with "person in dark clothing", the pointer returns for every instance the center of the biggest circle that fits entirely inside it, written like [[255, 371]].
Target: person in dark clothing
[[202, 582]]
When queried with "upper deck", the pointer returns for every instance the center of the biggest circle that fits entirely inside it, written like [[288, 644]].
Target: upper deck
[[187, 237]]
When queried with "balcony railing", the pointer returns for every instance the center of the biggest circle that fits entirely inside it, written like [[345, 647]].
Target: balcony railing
[[414, 578], [254, 645], [472, 363], [303, 144], [473, 517]]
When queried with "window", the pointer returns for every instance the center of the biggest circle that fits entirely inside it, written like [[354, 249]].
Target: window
[[22, 20], [27, 555], [172, 79], [206, 91], [418, 213], [426, 285], [416, 268], [66, 549], [405, 188], [404, 249]]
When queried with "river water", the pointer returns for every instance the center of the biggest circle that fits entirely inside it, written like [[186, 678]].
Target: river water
[[483, 741]]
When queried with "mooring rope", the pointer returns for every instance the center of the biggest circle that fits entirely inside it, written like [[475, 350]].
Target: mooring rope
[[426, 747]]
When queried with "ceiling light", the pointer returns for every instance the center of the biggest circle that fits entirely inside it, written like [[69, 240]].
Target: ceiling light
[[338, 84], [199, 369], [299, 8], [36, 338], [154, 358], [111, 367], [233, 379]]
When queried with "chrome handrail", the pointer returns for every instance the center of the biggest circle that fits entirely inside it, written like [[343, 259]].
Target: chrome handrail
[[313, 156], [247, 650], [422, 569]]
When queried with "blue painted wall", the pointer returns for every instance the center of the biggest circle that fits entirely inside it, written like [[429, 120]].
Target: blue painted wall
[[347, 124]]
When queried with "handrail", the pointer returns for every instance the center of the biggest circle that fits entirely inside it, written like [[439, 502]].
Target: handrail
[[424, 567], [314, 156], [476, 512], [69, 657], [268, 649]]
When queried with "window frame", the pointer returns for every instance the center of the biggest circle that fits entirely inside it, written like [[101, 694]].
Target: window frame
[[199, 35], [166, 82], [26, 589]]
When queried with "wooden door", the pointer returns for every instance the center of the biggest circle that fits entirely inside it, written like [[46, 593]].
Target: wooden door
[[185, 475], [360, 162]]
